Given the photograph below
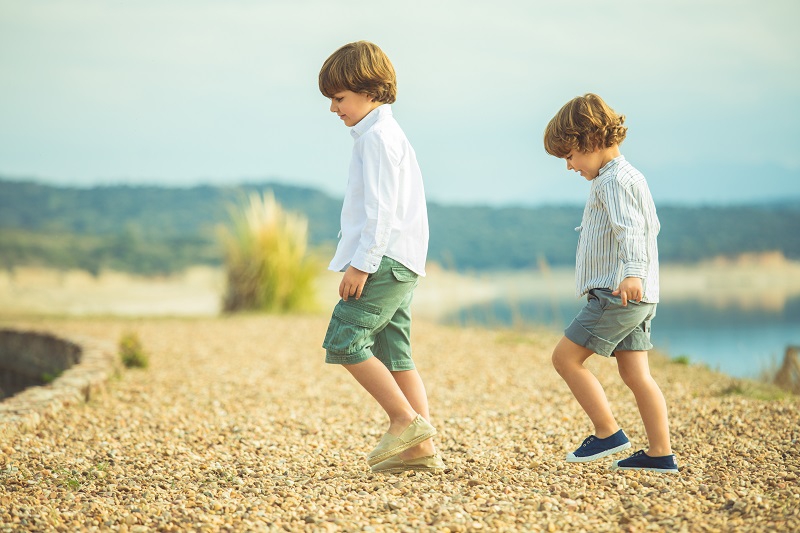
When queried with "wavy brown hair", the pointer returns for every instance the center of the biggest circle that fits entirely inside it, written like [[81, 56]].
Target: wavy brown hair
[[584, 123], [361, 67]]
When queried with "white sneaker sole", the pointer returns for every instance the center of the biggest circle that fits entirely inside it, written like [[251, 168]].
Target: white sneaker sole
[[572, 458], [616, 466]]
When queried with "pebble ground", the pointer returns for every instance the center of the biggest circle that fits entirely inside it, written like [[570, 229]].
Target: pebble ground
[[238, 425]]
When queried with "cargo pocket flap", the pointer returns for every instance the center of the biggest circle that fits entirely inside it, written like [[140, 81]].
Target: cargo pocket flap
[[360, 314], [403, 274]]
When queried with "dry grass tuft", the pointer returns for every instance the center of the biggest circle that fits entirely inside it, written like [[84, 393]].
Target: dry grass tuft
[[267, 262], [788, 375]]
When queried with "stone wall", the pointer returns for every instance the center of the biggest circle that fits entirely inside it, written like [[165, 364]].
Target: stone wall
[[82, 366], [28, 359]]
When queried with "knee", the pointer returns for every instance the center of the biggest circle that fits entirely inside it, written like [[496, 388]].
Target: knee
[[633, 379], [627, 379], [560, 362], [568, 357]]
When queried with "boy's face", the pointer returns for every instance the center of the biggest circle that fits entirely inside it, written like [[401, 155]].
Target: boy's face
[[588, 164], [352, 107]]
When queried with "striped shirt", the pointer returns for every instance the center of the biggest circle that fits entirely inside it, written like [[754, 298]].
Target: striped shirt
[[617, 235]]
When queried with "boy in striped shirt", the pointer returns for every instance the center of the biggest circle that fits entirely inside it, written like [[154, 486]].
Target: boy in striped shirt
[[617, 269]]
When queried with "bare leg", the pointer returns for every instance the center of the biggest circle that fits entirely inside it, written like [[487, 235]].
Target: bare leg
[[413, 388], [568, 359], [635, 372], [379, 382]]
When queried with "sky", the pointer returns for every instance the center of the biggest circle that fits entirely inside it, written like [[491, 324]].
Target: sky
[[189, 92]]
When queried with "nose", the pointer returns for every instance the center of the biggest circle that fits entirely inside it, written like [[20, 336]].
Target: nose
[[333, 106], [569, 166]]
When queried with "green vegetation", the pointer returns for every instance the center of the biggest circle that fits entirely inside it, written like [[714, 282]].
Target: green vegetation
[[758, 390], [125, 252], [68, 479], [131, 352], [73, 480], [48, 377], [681, 360], [154, 230], [266, 258]]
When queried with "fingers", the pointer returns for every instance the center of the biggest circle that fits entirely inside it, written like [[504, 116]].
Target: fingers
[[347, 290], [628, 292], [622, 294], [630, 297]]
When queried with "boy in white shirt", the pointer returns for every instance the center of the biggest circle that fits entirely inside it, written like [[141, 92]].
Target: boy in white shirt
[[382, 252]]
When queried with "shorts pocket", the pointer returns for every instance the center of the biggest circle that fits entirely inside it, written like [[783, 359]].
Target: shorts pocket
[[606, 299], [351, 326], [403, 274]]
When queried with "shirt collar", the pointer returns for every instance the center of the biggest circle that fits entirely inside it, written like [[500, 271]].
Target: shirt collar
[[610, 164], [383, 110]]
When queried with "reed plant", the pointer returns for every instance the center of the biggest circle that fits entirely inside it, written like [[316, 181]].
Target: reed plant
[[267, 260], [788, 375]]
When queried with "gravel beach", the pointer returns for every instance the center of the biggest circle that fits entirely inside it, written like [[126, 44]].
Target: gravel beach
[[238, 425]]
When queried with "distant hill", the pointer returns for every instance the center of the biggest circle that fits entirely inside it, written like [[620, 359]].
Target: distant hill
[[149, 229]]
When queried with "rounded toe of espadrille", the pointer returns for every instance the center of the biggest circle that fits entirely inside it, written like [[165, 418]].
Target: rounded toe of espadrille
[[418, 431]]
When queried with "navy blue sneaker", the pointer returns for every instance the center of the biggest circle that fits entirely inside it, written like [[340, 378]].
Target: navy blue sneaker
[[594, 448], [641, 461]]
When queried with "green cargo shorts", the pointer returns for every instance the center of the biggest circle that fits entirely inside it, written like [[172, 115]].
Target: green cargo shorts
[[379, 323]]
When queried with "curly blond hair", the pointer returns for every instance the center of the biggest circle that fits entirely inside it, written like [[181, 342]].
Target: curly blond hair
[[361, 67], [584, 124]]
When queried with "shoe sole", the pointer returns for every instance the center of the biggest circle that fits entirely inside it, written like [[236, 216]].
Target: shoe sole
[[399, 470], [372, 461], [615, 466], [574, 459]]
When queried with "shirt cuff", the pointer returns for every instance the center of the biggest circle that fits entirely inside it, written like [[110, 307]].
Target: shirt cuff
[[634, 269], [365, 262]]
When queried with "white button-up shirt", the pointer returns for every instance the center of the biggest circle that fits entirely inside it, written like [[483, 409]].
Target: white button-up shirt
[[618, 232], [384, 211]]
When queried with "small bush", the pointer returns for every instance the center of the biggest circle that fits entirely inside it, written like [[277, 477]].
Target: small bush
[[267, 263], [681, 360], [131, 352]]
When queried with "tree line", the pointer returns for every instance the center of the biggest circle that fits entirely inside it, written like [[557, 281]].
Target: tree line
[[158, 230]]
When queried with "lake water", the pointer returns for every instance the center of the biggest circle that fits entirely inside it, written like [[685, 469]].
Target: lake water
[[737, 340]]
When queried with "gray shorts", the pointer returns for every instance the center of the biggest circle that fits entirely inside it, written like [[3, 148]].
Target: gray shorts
[[605, 326], [379, 323]]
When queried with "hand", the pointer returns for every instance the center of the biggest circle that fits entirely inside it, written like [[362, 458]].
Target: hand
[[352, 283], [629, 289]]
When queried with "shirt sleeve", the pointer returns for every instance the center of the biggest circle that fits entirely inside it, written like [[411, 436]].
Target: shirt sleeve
[[627, 219], [381, 173]]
